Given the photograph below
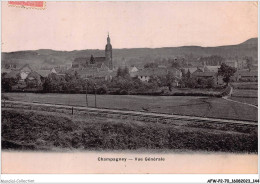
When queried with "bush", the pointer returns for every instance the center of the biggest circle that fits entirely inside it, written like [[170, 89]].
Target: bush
[[226, 91], [210, 83], [102, 90], [3, 97]]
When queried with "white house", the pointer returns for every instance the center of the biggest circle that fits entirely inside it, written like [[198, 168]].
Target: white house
[[53, 70], [24, 71], [133, 71]]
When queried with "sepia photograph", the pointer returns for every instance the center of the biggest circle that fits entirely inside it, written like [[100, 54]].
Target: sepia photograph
[[129, 87]]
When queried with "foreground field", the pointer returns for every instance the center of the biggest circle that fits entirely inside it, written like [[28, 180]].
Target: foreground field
[[245, 92], [246, 96], [183, 105], [33, 130]]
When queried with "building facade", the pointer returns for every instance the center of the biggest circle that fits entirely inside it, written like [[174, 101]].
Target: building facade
[[96, 62]]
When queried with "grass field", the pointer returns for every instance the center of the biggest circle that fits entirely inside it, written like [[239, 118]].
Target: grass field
[[183, 105], [246, 96], [246, 92], [34, 130], [245, 85], [253, 101]]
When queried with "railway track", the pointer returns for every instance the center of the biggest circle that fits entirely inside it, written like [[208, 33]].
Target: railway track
[[21, 104]]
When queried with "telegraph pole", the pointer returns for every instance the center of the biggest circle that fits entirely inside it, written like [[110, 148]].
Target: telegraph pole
[[87, 94], [95, 96]]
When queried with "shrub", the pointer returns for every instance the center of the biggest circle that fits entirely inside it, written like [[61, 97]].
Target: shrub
[[102, 90]]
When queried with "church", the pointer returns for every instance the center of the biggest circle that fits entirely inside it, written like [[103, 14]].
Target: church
[[100, 63]]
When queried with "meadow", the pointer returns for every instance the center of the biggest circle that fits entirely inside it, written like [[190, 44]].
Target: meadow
[[48, 131], [183, 105], [246, 92]]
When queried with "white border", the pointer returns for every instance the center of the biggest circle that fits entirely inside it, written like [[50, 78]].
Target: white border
[[128, 178]]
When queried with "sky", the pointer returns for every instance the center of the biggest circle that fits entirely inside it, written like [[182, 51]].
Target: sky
[[85, 25]]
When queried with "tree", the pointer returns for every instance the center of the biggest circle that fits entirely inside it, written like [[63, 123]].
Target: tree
[[7, 83], [227, 72], [102, 89], [123, 72], [183, 72], [188, 75], [212, 60], [126, 72], [210, 83], [170, 80], [119, 72], [151, 65], [77, 76], [92, 60], [191, 82], [176, 64], [249, 63], [202, 83]]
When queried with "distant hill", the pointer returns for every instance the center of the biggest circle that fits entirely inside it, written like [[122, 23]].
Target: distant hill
[[137, 56], [252, 41]]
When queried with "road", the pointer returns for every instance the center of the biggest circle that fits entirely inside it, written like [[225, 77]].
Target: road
[[128, 112], [230, 94]]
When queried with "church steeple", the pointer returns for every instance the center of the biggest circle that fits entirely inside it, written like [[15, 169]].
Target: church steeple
[[108, 38], [108, 53]]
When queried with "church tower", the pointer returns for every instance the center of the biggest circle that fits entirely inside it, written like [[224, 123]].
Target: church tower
[[108, 53]]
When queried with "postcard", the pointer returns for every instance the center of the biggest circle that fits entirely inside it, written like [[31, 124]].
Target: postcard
[[129, 87]]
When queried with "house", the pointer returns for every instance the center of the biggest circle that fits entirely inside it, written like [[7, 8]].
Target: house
[[34, 80], [12, 74], [145, 74], [176, 72], [20, 74], [242, 64], [218, 80], [237, 63], [62, 68], [24, 71], [27, 78], [232, 62], [191, 69], [162, 66], [213, 68], [53, 70], [104, 75], [207, 68], [10, 66], [201, 69], [254, 66], [4, 70], [133, 71], [46, 73], [93, 73]]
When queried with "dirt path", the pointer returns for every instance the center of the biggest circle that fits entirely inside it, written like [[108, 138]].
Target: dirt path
[[241, 102], [228, 99]]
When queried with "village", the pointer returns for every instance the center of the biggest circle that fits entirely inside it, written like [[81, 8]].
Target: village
[[29, 79], [165, 84], [100, 70]]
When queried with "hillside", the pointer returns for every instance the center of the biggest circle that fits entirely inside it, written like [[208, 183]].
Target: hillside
[[251, 41], [137, 56]]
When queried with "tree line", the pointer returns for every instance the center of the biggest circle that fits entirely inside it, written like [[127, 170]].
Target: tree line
[[122, 83]]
